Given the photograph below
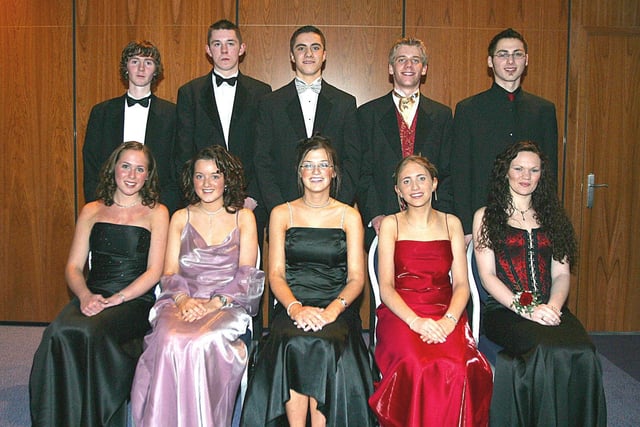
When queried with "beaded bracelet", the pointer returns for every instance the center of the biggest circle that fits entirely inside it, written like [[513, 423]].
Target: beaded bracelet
[[178, 297], [413, 320], [122, 297], [451, 317], [290, 305], [343, 302]]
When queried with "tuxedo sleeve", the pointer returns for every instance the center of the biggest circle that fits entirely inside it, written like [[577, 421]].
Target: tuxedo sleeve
[[264, 161], [444, 191], [351, 155], [460, 167], [550, 140], [92, 158], [185, 147], [368, 198]]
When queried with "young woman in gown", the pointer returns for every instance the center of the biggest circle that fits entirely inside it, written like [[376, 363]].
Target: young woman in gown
[[432, 372], [315, 363], [83, 369], [194, 358], [525, 247]]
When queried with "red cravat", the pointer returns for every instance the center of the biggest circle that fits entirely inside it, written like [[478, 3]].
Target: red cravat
[[511, 96]]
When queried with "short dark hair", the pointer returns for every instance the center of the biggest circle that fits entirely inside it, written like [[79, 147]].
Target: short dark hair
[[230, 167], [140, 48], [318, 142], [509, 33], [150, 192], [224, 24], [307, 29]]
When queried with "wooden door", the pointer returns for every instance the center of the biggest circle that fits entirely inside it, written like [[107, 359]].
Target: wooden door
[[603, 132]]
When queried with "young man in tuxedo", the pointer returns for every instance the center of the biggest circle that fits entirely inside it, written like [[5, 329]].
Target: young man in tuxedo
[[137, 115], [306, 106], [401, 123]]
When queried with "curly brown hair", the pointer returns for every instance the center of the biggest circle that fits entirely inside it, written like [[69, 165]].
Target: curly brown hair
[[230, 167], [107, 186], [549, 213]]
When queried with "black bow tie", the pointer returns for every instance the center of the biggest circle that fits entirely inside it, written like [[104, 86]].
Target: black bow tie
[[142, 101], [231, 81]]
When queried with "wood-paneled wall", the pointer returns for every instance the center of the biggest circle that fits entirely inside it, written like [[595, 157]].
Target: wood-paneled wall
[[40, 111]]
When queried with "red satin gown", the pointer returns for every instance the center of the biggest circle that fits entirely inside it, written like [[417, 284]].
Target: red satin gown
[[422, 384]]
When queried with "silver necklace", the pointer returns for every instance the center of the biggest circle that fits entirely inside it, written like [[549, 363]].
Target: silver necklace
[[524, 212], [311, 205], [126, 206], [217, 211]]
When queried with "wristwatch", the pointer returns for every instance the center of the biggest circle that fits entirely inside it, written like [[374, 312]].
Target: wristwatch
[[223, 300]]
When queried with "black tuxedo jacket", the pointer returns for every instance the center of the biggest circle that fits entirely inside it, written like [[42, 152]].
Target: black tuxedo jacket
[[281, 126], [199, 123], [382, 151], [105, 132]]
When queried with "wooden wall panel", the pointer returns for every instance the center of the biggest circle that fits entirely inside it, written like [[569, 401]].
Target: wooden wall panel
[[36, 124]]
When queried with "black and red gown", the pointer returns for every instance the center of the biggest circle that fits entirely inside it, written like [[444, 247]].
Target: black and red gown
[[547, 375], [422, 384]]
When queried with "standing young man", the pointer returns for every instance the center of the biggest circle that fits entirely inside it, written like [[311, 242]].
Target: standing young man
[[308, 105], [396, 125], [137, 115], [220, 108], [487, 123]]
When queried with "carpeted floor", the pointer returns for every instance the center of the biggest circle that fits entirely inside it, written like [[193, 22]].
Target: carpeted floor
[[619, 355]]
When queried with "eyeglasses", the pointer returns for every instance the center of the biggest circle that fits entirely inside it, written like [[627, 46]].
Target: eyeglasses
[[517, 55], [309, 166]]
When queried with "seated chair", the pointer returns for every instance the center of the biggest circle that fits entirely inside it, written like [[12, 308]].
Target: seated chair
[[375, 291], [478, 296]]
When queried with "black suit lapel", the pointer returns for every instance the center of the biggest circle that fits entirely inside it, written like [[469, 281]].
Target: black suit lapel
[[423, 126], [389, 126], [294, 113], [208, 102], [116, 118], [323, 110]]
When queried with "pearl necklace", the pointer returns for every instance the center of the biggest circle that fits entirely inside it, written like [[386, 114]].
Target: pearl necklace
[[311, 205], [126, 206]]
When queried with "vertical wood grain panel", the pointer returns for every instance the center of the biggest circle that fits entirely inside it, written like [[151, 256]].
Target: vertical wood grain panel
[[36, 124]]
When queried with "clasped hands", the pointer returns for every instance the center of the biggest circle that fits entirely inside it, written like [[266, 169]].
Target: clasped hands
[[92, 304], [546, 314], [192, 309], [310, 318], [432, 331]]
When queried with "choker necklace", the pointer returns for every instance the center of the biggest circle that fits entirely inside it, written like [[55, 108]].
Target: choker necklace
[[126, 206], [524, 212], [311, 205], [217, 211]]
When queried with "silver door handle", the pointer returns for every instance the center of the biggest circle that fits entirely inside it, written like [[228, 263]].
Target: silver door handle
[[591, 185]]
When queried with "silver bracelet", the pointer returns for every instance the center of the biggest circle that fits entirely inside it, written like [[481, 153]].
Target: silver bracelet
[[291, 304], [122, 297], [451, 317], [343, 302]]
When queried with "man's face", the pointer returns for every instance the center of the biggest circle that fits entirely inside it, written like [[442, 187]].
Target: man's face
[[308, 56], [141, 70], [407, 69], [225, 50], [508, 62]]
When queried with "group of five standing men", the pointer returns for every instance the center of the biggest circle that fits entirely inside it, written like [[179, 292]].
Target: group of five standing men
[[262, 128]]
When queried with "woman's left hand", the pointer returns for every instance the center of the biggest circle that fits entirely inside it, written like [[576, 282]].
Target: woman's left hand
[[546, 314], [433, 331]]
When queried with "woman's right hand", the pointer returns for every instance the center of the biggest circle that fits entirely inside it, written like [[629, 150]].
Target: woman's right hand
[[431, 331], [192, 309], [92, 304], [307, 318], [546, 315]]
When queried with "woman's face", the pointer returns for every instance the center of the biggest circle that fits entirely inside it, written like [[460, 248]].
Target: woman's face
[[524, 173], [316, 170], [415, 185], [131, 171], [208, 181]]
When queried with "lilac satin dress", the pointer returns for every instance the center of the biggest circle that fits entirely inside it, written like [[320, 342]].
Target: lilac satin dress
[[189, 373]]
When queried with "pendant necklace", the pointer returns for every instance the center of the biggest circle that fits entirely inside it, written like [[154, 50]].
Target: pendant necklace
[[211, 214], [524, 212], [311, 205]]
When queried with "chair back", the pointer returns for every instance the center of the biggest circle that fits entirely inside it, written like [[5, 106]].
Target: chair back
[[375, 289]]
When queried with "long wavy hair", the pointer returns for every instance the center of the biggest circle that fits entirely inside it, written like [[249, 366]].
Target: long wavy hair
[[230, 167], [149, 192], [544, 200]]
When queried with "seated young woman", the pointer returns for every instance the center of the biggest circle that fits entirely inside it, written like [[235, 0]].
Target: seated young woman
[[194, 358], [525, 247], [315, 363], [432, 371], [83, 369]]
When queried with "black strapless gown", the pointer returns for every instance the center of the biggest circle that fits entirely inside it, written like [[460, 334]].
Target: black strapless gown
[[83, 369], [332, 365]]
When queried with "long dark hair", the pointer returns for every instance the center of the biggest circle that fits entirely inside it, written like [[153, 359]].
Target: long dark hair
[[544, 200], [107, 186], [230, 167]]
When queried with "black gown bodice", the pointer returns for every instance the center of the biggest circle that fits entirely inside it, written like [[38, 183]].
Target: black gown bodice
[[119, 254], [316, 268]]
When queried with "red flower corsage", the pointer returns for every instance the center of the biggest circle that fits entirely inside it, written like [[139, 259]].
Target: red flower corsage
[[525, 302]]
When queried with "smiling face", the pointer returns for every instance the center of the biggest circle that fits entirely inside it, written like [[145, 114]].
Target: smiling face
[[131, 172], [507, 69], [407, 69], [415, 184], [524, 173], [308, 55], [141, 70], [316, 170], [225, 50], [208, 182]]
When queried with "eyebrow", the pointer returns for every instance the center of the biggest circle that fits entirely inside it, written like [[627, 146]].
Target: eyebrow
[[305, 44]]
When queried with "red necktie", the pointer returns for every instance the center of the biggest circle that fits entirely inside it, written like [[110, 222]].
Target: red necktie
[[511, 96]]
